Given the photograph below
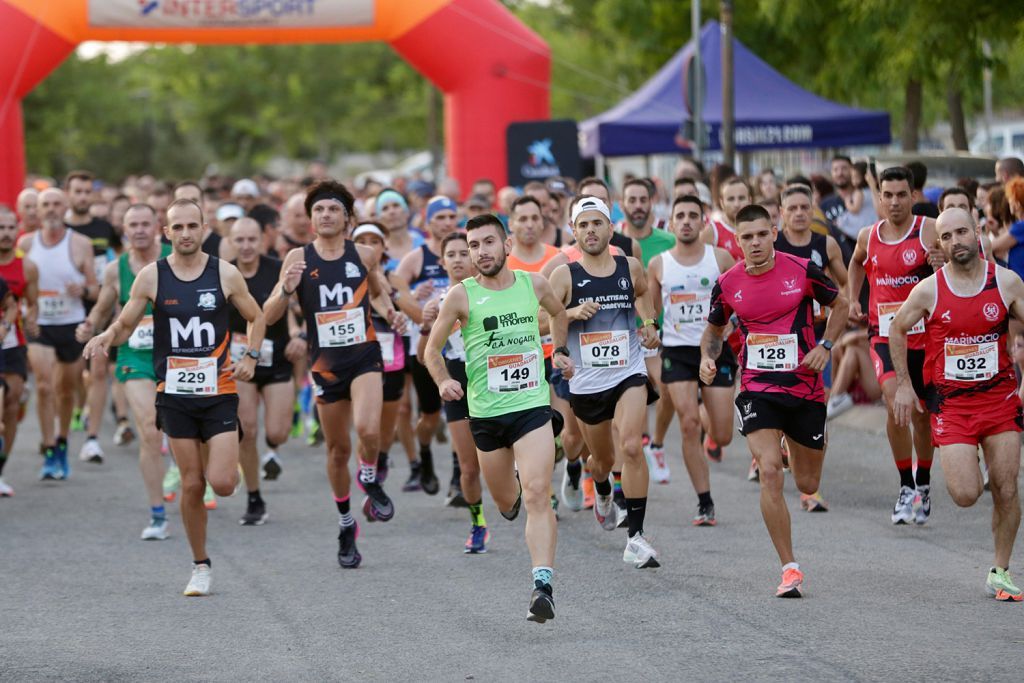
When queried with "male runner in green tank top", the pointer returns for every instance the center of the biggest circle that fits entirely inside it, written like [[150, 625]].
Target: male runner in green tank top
[[135, 359], [509, 404]]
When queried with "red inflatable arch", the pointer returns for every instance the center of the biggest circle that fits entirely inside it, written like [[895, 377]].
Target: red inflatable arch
[[492, 69]]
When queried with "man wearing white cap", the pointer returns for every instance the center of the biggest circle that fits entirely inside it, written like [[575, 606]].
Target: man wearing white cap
[[420, 278], [245, 193]]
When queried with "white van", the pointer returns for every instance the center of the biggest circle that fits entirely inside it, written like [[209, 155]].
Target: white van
[[1005, 140]]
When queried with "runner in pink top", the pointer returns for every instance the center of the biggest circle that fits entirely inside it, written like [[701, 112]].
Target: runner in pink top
[[771, 294]]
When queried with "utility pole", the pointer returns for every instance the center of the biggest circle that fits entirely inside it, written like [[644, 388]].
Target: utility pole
[[727, 134], [698, 87]]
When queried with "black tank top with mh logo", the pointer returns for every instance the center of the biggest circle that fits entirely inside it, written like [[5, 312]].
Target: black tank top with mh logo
[[335, 301], [191, 320]]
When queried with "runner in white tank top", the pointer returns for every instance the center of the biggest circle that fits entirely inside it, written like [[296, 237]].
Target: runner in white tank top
[[66, 277], [684, 276]]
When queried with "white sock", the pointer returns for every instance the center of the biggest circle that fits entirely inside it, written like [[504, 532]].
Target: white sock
[[791, 565]]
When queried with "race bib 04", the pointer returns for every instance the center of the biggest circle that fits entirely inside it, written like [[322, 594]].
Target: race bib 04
[[142, 336]]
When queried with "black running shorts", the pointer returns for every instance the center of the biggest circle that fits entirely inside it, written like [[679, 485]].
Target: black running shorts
[[801, 420], [596, 408], [457, 410], [331, 388], [394, 385], [494, 433], [682, 364], [197, 417], [61, 338], [15, 361]]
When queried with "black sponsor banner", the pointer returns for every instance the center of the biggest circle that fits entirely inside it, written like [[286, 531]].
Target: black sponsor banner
[[538, 150]]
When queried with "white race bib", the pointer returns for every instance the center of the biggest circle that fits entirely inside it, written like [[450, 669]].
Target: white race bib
[[11, 340], [688, 307], [99, 265], [142, 336], [191, 376], [886, 314], [387, 347], [53, 305], [771, 352], [341, 328], [604, 349], [240, 344], [971, 362], [513, 372]]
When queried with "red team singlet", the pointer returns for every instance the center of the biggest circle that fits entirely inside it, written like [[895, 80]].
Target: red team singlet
[[725, 237], [973, 391], [14, 274], [776, 323], [892, 269]]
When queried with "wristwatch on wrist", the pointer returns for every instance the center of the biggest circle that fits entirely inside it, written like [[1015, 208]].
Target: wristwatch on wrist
[[826, 344], [253, 353], [564, 350]]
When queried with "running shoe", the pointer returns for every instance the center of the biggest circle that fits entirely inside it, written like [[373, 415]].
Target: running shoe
[[656, 463], [639, 553], [837, 405], [477, 542], [705, 515], [712, 450], [413, 482], [60, 453], [428, 479], [924, 509], [209, 500], [542, 603], [813, 502], [605, 511], [5, 489], [314, 435], [51, 470], [271, 466], [199, 584], [587, 484], [348, 555], [792, 579], [382, 467], [514, 512], [77, 422], [572, 496], [1001, 587], [91, 451], [255, 514], [753, 474], [124, 434], [377, 507], [559, 450], [156, 531], [903, 512], [172, 483], [455, 499]]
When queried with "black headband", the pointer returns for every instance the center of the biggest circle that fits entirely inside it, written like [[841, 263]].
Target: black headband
[[327, 194]]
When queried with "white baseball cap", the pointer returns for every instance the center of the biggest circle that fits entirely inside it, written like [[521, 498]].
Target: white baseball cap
[[227, 212], [245, 188]]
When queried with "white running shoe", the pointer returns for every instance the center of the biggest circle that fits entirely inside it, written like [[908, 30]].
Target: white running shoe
[[5, 489], [156, 531], [572, 496], [924, 506], [656, 463], [837, 405], [903, 512], [605, 510], [639, 553], [91, 451], [199, 584]]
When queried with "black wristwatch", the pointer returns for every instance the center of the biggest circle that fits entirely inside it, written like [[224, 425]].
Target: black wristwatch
[[564, 350], [253, 353], [826, 343]]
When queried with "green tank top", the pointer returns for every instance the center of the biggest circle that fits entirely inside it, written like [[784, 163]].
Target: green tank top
[[140, 344], [504, 359]]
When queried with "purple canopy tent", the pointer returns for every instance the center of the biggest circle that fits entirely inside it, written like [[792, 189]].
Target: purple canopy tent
[[771, 111]]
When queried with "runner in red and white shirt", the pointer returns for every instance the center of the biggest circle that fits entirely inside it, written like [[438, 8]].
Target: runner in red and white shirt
[[895, 254], [781, 391], [733, 195], [972, 394]]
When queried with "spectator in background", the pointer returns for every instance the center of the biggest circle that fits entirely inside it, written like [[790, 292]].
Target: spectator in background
[[1012, 239], [768, 187], [159, 198], [851, 207], [118, 208], [1009, 168], [476, 205], [245, 193], [719, 174], [922, 205], [270, 220], [981, 199], [484, 187], [689, 168], [26, 208], [506, 196], [561, 194], [419, 193], [771, 205], [449, 187]]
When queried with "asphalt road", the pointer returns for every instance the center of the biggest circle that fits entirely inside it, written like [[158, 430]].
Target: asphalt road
[[82, 598]]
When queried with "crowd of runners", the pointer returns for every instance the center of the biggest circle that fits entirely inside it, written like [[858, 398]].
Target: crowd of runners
[[549, 335]]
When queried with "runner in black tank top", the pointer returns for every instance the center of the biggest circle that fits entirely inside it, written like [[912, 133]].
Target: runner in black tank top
[[196, 400], [421, 279], [334, 293], [272, 384]]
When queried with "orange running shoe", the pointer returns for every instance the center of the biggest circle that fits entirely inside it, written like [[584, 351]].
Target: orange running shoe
[[792, 579], [712, 450], [588, 491]]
